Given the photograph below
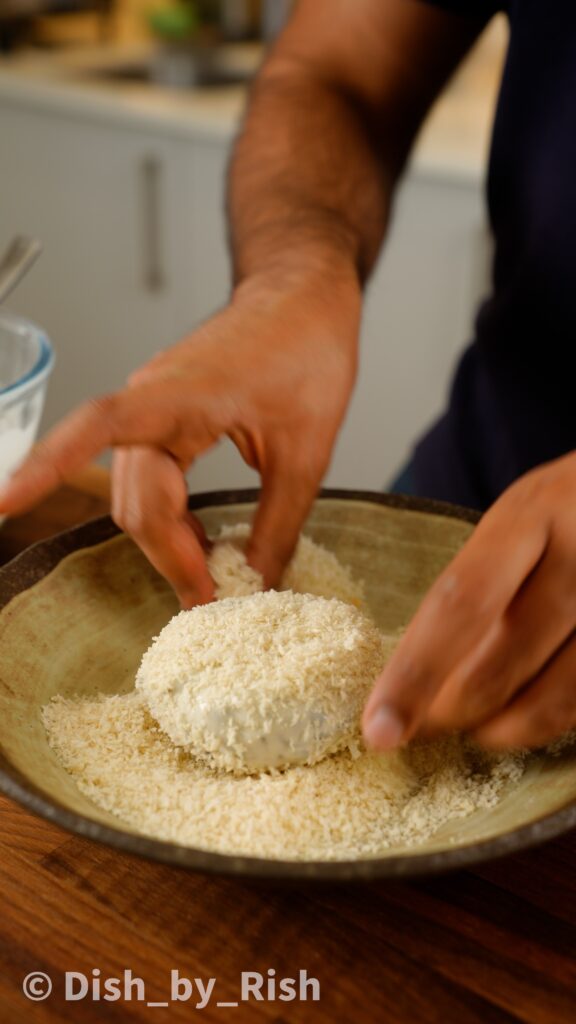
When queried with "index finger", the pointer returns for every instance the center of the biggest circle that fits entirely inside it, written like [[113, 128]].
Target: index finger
[[118, 419], [471, 593]]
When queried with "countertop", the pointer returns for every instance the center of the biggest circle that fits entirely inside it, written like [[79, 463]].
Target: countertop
[[454, 141], [493, 945]]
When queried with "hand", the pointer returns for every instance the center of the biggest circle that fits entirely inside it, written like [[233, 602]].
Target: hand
[[492, 648], [274, 372]]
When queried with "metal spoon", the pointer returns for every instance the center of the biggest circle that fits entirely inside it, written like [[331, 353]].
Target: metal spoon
[[16, 261]]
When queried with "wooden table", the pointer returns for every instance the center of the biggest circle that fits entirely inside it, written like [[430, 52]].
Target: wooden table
[[489, 946]]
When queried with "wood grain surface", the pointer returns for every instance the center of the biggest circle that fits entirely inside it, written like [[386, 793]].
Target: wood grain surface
[[496, 944]]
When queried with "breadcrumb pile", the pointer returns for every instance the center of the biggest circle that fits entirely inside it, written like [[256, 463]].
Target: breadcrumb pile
[[351, 804], [339, 809], [312, 570]]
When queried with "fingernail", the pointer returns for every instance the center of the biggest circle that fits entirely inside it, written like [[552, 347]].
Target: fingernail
[[384, 730]]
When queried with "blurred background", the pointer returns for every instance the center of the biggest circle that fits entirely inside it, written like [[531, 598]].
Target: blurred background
[[116, 123]]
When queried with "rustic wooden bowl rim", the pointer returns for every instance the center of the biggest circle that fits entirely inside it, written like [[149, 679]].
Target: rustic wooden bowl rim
[[37, 561]]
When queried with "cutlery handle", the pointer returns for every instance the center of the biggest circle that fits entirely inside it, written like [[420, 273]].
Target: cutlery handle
[[17, 260]]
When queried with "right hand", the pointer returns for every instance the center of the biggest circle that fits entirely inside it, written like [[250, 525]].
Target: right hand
[[273, 371]]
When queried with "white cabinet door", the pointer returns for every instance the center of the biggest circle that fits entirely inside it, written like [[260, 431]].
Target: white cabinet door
[[418, 316], [205, 162], [106, 203], [203, 167]]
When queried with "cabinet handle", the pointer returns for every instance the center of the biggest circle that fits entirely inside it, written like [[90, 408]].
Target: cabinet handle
[[153, 271]]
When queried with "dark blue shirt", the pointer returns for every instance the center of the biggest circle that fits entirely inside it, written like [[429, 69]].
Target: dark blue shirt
[[512, 404]]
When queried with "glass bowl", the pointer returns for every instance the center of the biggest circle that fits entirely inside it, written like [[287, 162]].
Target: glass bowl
[[26, 360]]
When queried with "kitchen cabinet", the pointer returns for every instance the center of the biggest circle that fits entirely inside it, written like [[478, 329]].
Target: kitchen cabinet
[[135, 255], [105, 203]]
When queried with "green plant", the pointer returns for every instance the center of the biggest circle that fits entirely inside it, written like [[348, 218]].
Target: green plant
[[183, 19]]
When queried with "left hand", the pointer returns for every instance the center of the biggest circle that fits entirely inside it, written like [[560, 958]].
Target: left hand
[[492, 648]]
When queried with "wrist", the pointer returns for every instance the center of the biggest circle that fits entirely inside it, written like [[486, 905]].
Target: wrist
[[319, 281]]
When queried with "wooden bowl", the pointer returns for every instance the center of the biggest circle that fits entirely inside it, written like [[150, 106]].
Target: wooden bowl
[[77, 611]]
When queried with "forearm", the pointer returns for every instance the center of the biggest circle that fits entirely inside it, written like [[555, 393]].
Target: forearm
[[330, 122], [310, 188]]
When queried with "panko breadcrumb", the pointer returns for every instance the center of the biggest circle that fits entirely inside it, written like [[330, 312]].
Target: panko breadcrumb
[[339, 809], [312, 570]]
